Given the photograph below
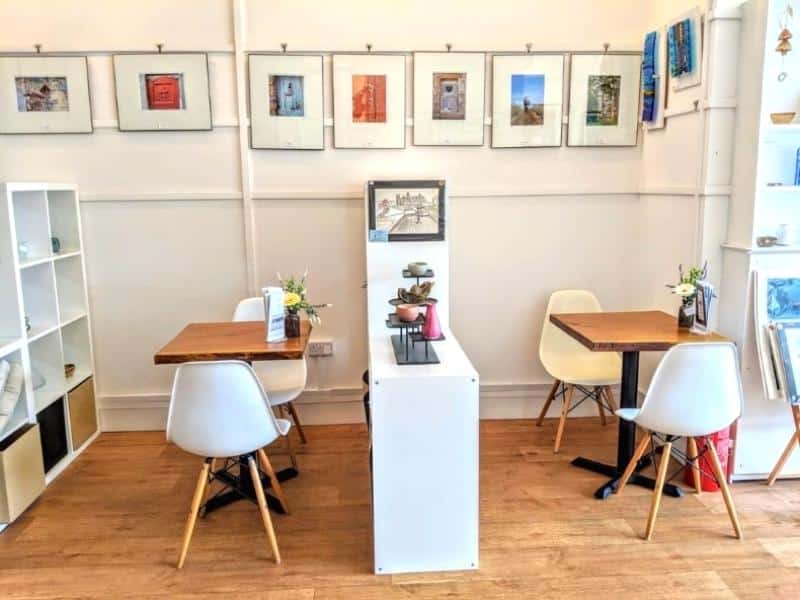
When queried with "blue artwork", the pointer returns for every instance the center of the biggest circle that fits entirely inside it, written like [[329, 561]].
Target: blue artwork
[[649, 71], [527, 100], [783, 299], [286, 96]]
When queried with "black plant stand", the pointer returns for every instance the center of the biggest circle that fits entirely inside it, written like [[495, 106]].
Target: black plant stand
[[240, 486]]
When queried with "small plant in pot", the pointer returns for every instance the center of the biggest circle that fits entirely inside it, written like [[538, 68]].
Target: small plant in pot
[[294, 300], [686, 289]]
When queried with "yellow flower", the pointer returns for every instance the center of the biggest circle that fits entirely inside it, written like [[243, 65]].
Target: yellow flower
[[291, 299]]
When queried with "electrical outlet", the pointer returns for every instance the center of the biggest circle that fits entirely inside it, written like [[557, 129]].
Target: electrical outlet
[[320, 348]]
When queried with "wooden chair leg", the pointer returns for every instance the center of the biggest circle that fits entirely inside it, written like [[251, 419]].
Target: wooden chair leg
[[273, 479], [296, 420], [262, 508], [662, 476], [598, 399], [548, 401], [787, 452], [694, 460], [199, 493], [637, 455], [723, 486], [563, 421], [776, 470], [610, 397], [290, 449]]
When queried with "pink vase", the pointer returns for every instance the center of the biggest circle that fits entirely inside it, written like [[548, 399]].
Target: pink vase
[[431, 330]]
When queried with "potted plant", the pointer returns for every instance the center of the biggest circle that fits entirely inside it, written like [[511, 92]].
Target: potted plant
[[686, 288], [294, 300]]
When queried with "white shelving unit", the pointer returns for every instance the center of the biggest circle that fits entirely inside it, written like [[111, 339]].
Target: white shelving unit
[[44, 318]]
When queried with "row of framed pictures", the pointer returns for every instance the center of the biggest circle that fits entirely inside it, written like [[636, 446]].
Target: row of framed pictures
[[170, 92]]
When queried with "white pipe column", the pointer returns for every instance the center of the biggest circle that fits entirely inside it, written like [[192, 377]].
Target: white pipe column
[[245, 166]]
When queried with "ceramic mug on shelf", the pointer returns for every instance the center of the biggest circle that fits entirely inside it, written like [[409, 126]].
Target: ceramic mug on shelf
[[786, 234]]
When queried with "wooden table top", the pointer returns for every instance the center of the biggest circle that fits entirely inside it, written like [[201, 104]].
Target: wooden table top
[[231, 340], [628, 331]]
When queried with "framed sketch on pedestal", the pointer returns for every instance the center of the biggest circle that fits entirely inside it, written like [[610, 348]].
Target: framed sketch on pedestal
[[449, 90], [369, 100], [162, 92], [528, 100], [286, 102], [604, 99], [788, 335], [406, 211], [44, 94]]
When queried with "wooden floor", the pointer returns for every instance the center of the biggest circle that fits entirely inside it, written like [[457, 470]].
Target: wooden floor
[[109, 527]]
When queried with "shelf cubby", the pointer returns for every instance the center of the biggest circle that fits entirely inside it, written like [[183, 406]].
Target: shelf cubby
[[63, 211], [47, 360], [32, 224], [39, 299], [19, 415], [77, 350], [71, 289]]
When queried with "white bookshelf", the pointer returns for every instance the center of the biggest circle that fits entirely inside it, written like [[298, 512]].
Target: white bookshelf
[[49, 288]]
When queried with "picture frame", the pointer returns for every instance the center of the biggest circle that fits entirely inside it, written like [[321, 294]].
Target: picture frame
[[527, 100], [286, 101], [658, 121], [788, 337], [703, 301], [776, 299], [449, 93], [406, 211], [45, 94], [369, 100], [604, 99], [677, 52], [166, 91]]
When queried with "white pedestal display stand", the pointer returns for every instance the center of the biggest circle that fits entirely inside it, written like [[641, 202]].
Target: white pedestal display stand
[[424, 427]]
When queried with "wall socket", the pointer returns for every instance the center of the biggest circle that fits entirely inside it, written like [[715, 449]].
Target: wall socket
[[320, 348]]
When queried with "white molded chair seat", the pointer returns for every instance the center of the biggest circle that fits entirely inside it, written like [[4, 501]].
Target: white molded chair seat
[[573, 365], [696, 391], [283, 380], [219, 409]]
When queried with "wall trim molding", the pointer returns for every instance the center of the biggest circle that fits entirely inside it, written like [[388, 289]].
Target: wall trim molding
[[148, 412]]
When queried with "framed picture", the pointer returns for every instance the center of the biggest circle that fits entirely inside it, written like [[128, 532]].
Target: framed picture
[[406, 211], [788, 335], [528, 100], [44, 94], [162, 92], [604, 99], [684, 42], [654, 80], [369, 100], [449, 89], [703, 300], [286, 106]]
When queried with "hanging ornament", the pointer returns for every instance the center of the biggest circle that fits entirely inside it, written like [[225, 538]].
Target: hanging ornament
[[784, 45]]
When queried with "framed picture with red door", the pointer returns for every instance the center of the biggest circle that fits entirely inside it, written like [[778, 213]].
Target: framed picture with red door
[[162, 92]]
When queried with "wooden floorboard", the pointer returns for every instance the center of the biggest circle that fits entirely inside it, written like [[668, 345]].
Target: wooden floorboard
[[110, 526]]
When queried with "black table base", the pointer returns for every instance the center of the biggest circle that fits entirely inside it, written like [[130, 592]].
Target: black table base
[[240, 487], [629, 391]]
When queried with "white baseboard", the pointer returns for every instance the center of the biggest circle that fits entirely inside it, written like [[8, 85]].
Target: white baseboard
[[148, 412]]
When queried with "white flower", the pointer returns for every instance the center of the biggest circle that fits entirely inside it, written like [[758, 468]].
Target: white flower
[[684, 289]]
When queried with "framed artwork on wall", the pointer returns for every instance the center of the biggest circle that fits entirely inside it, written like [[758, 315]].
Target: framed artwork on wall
[[684, 44], [449, 90], [407, 211], [528, 100], [286, 106], [654, 80], [604, 99], [369, 100], [162, 92], [44, 94]]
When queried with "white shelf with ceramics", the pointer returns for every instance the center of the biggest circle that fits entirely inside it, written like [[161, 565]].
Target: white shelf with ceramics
[[44, 319]]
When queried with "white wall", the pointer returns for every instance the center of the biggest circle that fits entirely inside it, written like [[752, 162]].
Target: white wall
[[165, 237]]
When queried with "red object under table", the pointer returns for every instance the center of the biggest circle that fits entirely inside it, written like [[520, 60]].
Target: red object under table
[[722, 445]]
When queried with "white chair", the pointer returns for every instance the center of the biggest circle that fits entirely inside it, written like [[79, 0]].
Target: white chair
[[696, 391], [572, 365], [219, 409], [284, 380]]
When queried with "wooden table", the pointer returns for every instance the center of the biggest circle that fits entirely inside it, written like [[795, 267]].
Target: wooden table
[[234, 340], [629, 333]]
